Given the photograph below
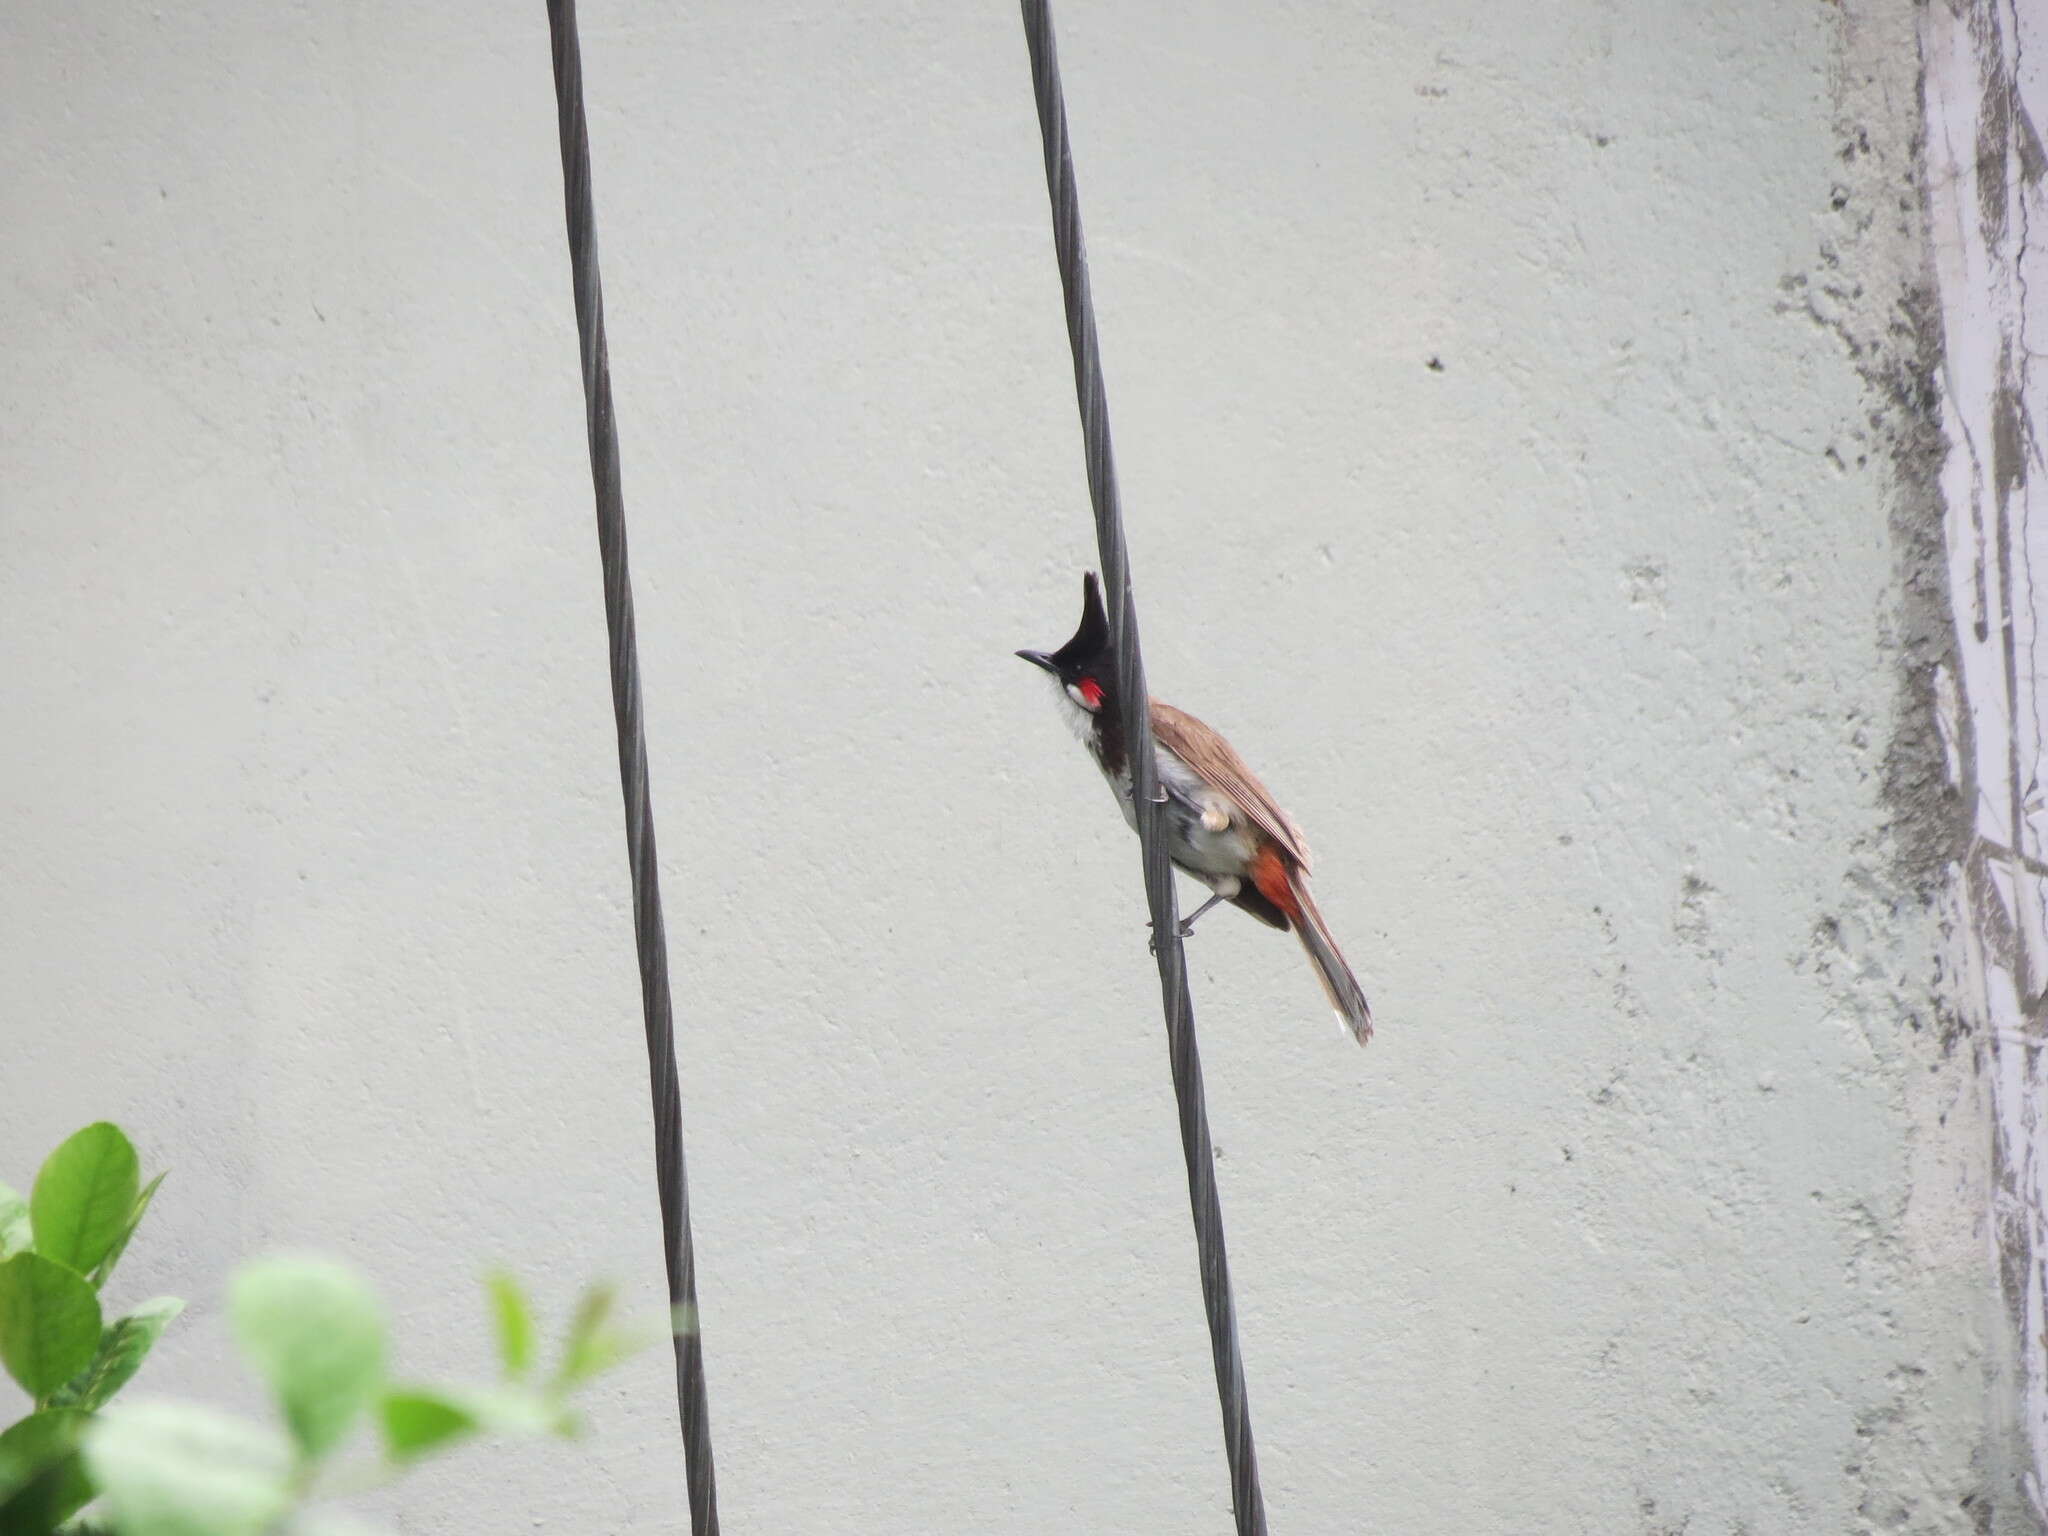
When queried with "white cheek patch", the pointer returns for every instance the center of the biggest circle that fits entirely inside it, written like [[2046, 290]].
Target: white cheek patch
[[1078, 719], [1080, 698]]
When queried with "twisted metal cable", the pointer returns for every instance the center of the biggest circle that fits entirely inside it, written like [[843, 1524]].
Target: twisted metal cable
[[648, 936], [1247, 1503]]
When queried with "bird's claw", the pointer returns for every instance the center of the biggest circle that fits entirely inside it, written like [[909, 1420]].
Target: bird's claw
[[1183, 929]]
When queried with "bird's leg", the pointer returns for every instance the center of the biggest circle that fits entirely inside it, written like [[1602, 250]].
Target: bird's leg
[[1186, 925]]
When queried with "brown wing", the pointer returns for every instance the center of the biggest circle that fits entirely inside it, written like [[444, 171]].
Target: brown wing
[[1203, 750]]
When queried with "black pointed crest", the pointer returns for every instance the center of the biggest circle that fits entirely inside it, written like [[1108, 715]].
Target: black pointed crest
[[1091, 641]]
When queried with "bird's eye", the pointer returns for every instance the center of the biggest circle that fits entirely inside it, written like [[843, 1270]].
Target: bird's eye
[[1086, 692]]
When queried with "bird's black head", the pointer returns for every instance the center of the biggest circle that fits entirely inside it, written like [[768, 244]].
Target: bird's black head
[[1086, 664]]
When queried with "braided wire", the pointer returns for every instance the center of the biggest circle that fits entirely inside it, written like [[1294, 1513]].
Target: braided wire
[[1247, 1503], [649, 939]]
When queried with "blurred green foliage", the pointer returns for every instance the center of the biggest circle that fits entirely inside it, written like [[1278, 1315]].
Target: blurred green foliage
[[310, 1327]]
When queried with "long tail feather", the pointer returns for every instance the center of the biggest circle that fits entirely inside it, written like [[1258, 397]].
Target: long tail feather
[[1342, 988]]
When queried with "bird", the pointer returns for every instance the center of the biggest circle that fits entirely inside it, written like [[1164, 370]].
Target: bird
[[1223, 827]]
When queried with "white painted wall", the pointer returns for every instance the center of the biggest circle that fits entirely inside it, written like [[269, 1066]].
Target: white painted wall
[[1587, 661]]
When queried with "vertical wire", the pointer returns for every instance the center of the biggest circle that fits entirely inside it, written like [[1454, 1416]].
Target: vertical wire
[[649, 939], [1247, 1502]]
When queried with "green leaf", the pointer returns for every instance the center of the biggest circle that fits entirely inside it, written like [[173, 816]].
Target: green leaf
[[595, 1343], [84, 1196], [173, 1469], [514, 1411], [15, 1232], [123, 1346], [581, 1350], [49, 1323], [419, 1419], [316, 1332], [515, 1323], [106, 1265], [42, 1479]]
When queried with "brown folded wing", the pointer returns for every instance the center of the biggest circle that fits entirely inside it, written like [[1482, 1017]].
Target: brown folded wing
[[1212, 757]]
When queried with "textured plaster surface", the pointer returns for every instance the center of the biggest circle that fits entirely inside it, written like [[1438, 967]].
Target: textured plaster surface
[[1517, 427], [1985, 94]]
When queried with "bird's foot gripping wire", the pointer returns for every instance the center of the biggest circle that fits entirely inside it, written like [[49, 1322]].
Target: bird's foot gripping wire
[[1184, 927], [1152, 939]]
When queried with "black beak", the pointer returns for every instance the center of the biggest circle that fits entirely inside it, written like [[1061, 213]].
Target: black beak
[[1040, 659]]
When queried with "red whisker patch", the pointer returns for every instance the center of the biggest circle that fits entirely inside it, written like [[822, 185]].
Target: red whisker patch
[[1091, 691]]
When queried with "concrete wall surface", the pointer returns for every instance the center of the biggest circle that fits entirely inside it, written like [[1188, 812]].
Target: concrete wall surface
[[1527, 447]]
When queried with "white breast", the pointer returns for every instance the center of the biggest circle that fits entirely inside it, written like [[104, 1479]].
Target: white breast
[[1215, 849]]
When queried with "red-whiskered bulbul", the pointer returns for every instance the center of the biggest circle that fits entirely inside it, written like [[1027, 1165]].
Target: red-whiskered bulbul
[[1222, 826]]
